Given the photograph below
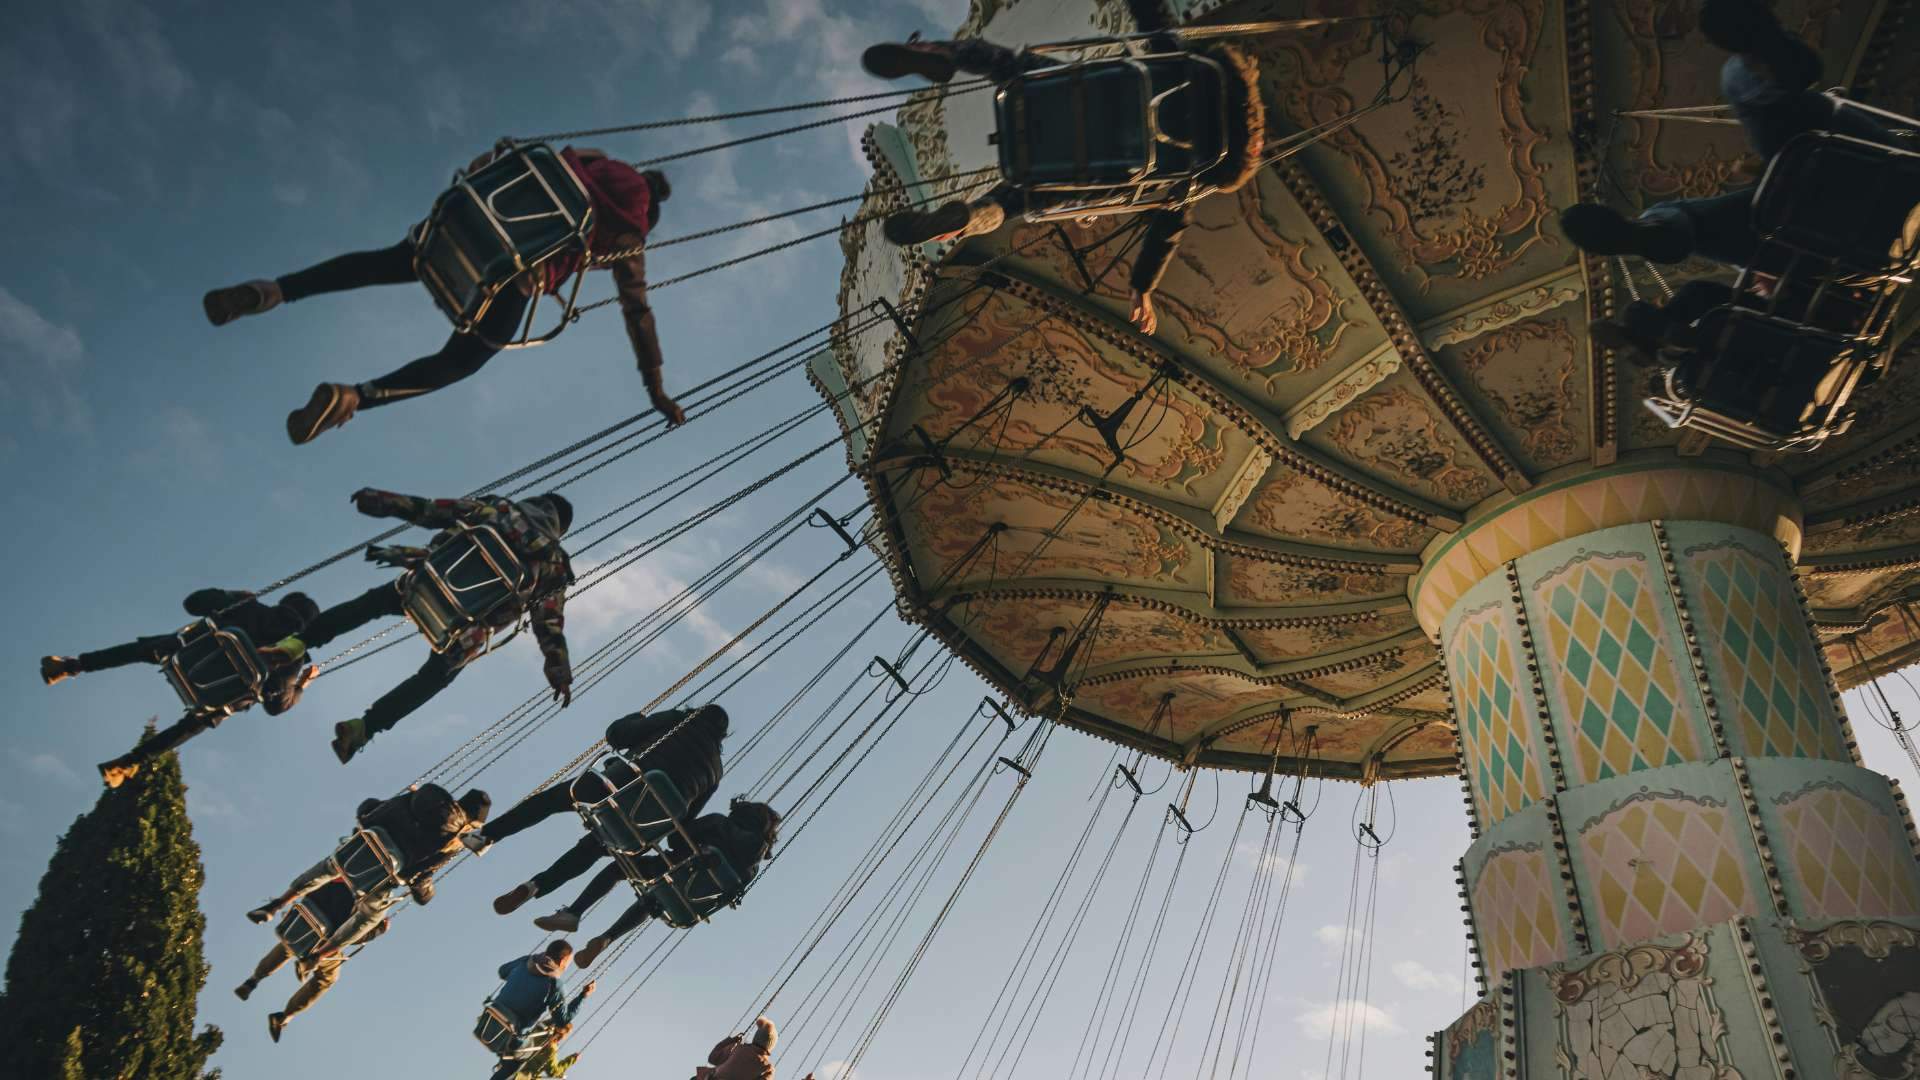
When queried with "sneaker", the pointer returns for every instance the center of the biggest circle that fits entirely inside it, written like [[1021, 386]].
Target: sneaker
[[560, 922], [248, 298], [932, 61], [1602, 230], [245, 990], [276, 1023], [116, 772], [476, 842], [331, 405], [54, 669], [348, 737], [509, 902], [586, 956], [922, 226], [264, 913]]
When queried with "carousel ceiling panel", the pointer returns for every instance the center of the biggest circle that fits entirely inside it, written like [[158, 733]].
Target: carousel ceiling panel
[[1431, 743], [1257, 583], [1879, 534], [1175, 447], [1529, 380], [1288, 504], [1450, 192], [1201, 701], [1323, 635], [1395, 434], [1884, 643], [1018, 626], [1357, 677], [1866, 589], [1097, 541]]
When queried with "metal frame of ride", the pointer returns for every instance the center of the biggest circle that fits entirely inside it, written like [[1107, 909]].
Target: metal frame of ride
[[215, 670], [495, 1028], [612, 819], [1810, 288], [478, 192], [307, 930], [435, 596]]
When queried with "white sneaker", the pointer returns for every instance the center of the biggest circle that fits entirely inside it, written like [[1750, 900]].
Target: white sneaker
[[560, 922], [475, 842]]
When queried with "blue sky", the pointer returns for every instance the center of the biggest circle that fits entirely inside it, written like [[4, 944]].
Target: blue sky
[[150, 153]]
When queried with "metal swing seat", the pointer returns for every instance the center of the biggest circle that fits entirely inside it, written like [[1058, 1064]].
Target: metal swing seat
[[695, 888], [500, 1033], [466, 577], [631, 812], [312, 920], [1113, 135], [215, 670], [367, 862], [1839, 224], [501, 227]]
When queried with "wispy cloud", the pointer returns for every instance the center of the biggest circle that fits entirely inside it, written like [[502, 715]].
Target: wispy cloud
[[46, 766], [1320, 1020], [137, 52], [39, 362], [1417, 976]]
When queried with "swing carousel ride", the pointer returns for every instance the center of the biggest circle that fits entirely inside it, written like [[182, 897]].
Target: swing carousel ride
[[1372, 480]]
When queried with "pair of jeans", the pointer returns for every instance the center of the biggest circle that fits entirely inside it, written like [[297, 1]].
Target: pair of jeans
[[461, 356], [435, 675], [317, 981]]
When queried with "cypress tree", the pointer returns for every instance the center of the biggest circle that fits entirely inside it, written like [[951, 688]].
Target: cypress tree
[[105, 974]]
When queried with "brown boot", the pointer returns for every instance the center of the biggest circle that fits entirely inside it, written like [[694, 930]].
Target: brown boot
[[585, 957], [331, 405], [250, 298], [118, 771], [55, 669], [509, 902]]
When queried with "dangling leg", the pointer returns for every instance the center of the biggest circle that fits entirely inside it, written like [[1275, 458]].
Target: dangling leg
[[631, 919], [414, 691], [567, 919], [146, 650], [528, 812], [381, 600], [326, 972], [121, 769], [312, 878], [575, 861], [385, 266], [957, 219], [1720, 228], [333, 404], [275, 959]]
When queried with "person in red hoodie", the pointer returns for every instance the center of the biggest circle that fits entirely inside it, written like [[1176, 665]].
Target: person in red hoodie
[[626, 203]]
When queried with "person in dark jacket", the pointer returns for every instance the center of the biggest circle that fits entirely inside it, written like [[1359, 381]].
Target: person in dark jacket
[[744, 834], [229, 609], [530, 992], [939, 61], [1769, 81], [425, 823], [1649, 333], [626, 204], [531, 527], [685, 744]]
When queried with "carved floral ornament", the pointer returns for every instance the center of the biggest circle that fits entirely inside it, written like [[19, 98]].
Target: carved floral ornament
[[1876, 940], [1624, 970]]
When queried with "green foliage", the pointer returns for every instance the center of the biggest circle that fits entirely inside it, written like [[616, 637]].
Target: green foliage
[[104, 977]]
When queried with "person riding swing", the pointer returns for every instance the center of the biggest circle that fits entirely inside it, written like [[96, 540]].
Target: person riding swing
[[489, 547], [625, 204], [213, 663], [526, 1019], [1242, 144]]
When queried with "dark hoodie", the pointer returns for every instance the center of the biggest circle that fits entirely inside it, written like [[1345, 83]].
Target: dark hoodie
[[424, 822], [689, 755], [532, 989], [263, 624]]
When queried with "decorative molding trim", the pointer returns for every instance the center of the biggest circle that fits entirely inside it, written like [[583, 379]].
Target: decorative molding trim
[[1522, 302], [1359, 377]]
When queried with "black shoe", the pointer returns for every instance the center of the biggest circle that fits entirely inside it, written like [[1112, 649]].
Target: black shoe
[[331, 405], [250, 298], [276, 1023], [264, 913], [920, 226], [1602, 231], [53, 669], [245, 990], [930, 61]]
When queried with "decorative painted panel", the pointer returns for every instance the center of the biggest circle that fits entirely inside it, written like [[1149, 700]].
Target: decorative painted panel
[[1661, 852], [1839, 839], [1495, 706], [1867, 978], [1470, 1047], [1642, 1012], [1761, 658], [1516, 907], [1623, 696]]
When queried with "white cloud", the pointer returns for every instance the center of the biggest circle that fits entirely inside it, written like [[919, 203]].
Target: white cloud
[[1320, 1019], [137, 52], [1417, 976], [187, 438], [48, 766], [38, 361], [834, 1070], [1331, 936], [621, 598], [1274, 862]]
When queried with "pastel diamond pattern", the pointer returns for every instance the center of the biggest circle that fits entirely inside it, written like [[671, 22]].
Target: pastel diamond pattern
[[1851, 856], [1514, 905], [1620, 692], [1662, 864], [1773, 694], [1493, 706]]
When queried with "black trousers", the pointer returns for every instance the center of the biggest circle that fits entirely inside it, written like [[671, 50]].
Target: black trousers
[[631, 919], [577, 860], [461, 356], [416, 690], [530, 811], [170, 738], [146, 650]]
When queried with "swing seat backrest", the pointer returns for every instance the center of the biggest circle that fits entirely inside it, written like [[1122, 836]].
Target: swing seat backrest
[[368, 861], [1764, 383], [214, 669], [505, 219], [1843, 200], [696, 889], [1081, 125], [639, 815], [465, 578], [498, 1031], [312, 919]]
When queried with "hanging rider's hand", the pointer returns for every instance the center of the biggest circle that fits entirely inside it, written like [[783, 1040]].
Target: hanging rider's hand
[[1142, 312], [587, 990], [670, 409], [563, 694]]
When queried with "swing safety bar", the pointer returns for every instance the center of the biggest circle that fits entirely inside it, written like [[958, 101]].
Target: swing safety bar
[[366, 862], [464, 579], [215, 670], [499, 1032]]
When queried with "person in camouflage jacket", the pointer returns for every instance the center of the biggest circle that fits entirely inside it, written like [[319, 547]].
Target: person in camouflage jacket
[[532, 527]]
